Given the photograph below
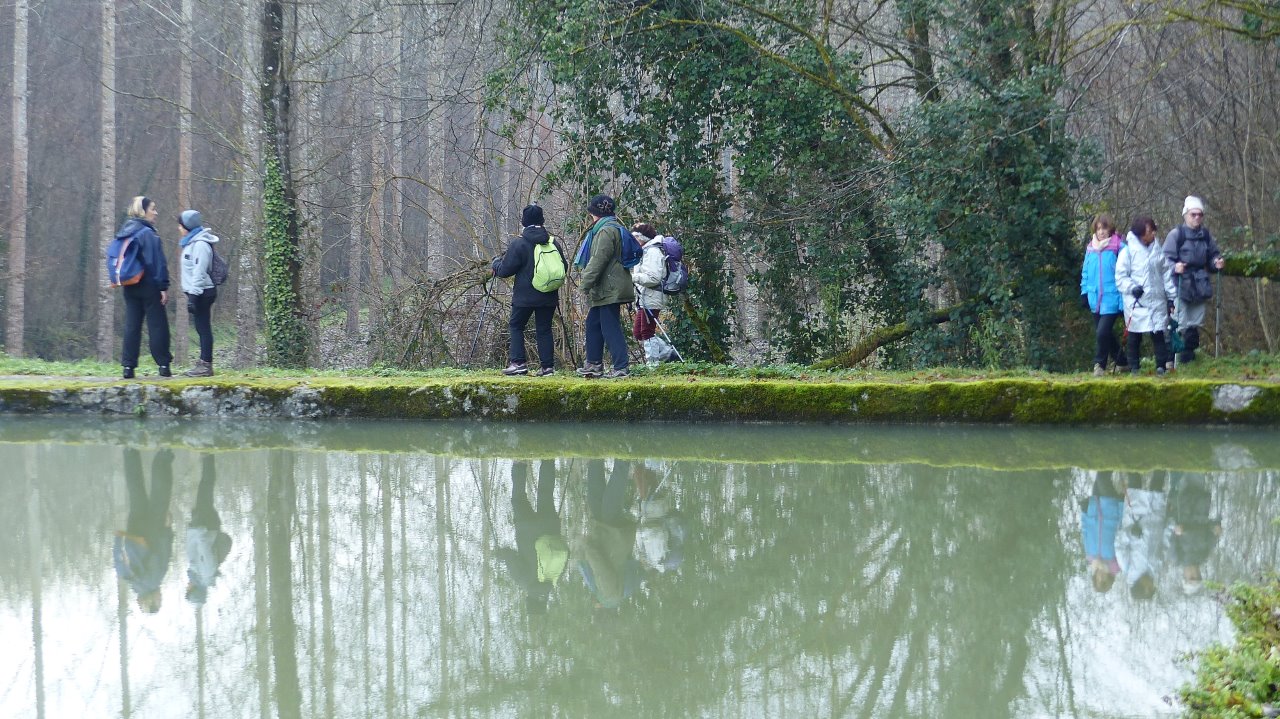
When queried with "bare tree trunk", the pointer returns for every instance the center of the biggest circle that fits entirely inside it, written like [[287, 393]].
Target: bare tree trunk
[[180, 320], [250, 198], [107, 180], [436, 120], [35, 551], [395, 230], [355, 239], [16, 295]]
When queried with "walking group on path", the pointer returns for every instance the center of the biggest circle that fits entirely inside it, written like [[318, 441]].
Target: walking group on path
[[1162, 290]]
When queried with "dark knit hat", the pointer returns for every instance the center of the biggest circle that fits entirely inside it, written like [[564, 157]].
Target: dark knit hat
[[601, 206], [530, 216], [190, 219]]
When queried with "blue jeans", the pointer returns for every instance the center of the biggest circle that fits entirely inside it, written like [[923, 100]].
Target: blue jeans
[[604, 327]]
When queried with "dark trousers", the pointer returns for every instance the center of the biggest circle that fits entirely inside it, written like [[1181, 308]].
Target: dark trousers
[[604, 327], [542, 317], [607, 501], [201, 308], [143, 301], [148, 512], [1135, 347], [203, 514], [1106, 345]]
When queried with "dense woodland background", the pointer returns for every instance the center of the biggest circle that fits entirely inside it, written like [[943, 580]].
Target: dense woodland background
[[834, 168]]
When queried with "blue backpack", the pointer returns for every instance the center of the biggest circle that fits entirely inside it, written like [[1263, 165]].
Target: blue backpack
[[124, 262], [631, 250]]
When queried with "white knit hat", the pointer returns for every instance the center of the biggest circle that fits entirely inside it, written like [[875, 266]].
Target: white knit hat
[[1192, 203]]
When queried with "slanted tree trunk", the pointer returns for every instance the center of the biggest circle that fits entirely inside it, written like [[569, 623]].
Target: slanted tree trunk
[[16, 295], [107, 181]]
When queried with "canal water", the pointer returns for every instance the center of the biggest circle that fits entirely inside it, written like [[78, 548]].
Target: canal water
[[323, 569]]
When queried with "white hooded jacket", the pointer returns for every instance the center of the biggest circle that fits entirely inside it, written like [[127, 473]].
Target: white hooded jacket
[[649, 274], [197, 256], [1144, 266]]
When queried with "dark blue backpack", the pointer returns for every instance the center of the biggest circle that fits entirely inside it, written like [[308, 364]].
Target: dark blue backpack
[[124, 262], [631, 249]]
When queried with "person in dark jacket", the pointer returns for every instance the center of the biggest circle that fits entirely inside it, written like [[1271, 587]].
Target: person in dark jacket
[[146, 299], [517, 262], [541, 554], [141, 552], [1193, 253], [1194, 529], [607, 285]]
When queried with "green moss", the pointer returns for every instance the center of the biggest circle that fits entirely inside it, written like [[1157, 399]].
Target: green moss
[[1057, 401]]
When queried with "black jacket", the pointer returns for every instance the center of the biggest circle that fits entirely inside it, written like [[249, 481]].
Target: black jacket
[[518, 263]]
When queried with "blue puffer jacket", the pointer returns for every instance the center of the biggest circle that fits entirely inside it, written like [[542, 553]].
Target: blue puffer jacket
[[1098, 525], [151, 251], [1098, 278]]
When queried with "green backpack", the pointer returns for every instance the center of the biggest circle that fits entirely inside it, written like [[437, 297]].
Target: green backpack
[[548, 267]]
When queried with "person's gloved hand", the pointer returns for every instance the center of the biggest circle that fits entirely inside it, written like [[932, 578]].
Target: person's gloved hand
[[1170, 307], [191, 303], [1084, 301], [493, 264], [1137, 292]]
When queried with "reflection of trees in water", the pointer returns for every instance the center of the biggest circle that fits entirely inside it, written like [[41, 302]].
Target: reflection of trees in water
[[842, 590]]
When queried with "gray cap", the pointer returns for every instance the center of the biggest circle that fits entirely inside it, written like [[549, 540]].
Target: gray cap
[[190, 219]]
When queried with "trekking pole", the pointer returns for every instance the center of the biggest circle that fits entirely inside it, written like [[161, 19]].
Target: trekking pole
[[663, 330], [1217, 314], [484, 309]]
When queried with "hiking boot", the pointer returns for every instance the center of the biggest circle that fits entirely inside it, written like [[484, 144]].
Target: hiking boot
[[616, 373], [127, 373], [1098, 371], [591, 369], [199, 369], [164, 371], [516, 368], [545, 372]]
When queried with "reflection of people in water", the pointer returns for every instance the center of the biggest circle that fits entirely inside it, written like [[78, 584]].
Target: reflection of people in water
[[1194, 532], [608, 568], [541, 554], [1140, 542], [1100, 518], [661, 535], [142, 551], [207, 544]]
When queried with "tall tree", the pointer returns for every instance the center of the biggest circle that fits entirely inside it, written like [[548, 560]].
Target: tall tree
[[186, 32], [16, 296], [287, 336], [107, 178], [250, 198]]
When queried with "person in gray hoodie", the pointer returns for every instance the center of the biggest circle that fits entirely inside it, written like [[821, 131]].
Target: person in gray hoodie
[[197, 257]]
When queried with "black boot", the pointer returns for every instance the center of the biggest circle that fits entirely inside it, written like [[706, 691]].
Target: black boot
[[1190, 341]]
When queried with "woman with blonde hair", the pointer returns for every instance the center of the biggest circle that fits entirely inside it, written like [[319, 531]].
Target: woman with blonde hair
[[147, 298]]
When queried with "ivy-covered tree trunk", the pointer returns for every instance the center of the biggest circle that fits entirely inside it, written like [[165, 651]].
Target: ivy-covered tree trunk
[[287, 337]]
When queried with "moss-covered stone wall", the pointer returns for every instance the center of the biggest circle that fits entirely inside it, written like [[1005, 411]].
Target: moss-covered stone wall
[[1068, 401]]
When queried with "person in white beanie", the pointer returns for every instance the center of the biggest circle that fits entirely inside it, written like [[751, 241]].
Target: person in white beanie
[[1193, 252]]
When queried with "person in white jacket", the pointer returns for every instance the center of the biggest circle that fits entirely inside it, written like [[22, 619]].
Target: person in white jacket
[[650, 299], [1146, 285]]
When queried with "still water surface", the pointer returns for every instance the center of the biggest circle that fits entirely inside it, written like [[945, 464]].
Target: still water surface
[[393, 569]]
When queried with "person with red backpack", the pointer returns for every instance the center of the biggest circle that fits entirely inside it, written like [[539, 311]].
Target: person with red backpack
[[145, 297]]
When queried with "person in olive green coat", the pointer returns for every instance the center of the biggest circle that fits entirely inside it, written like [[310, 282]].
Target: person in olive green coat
[[607, 285]]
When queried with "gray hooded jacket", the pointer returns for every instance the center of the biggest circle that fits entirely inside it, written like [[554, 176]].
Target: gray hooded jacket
[[197, 256]]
